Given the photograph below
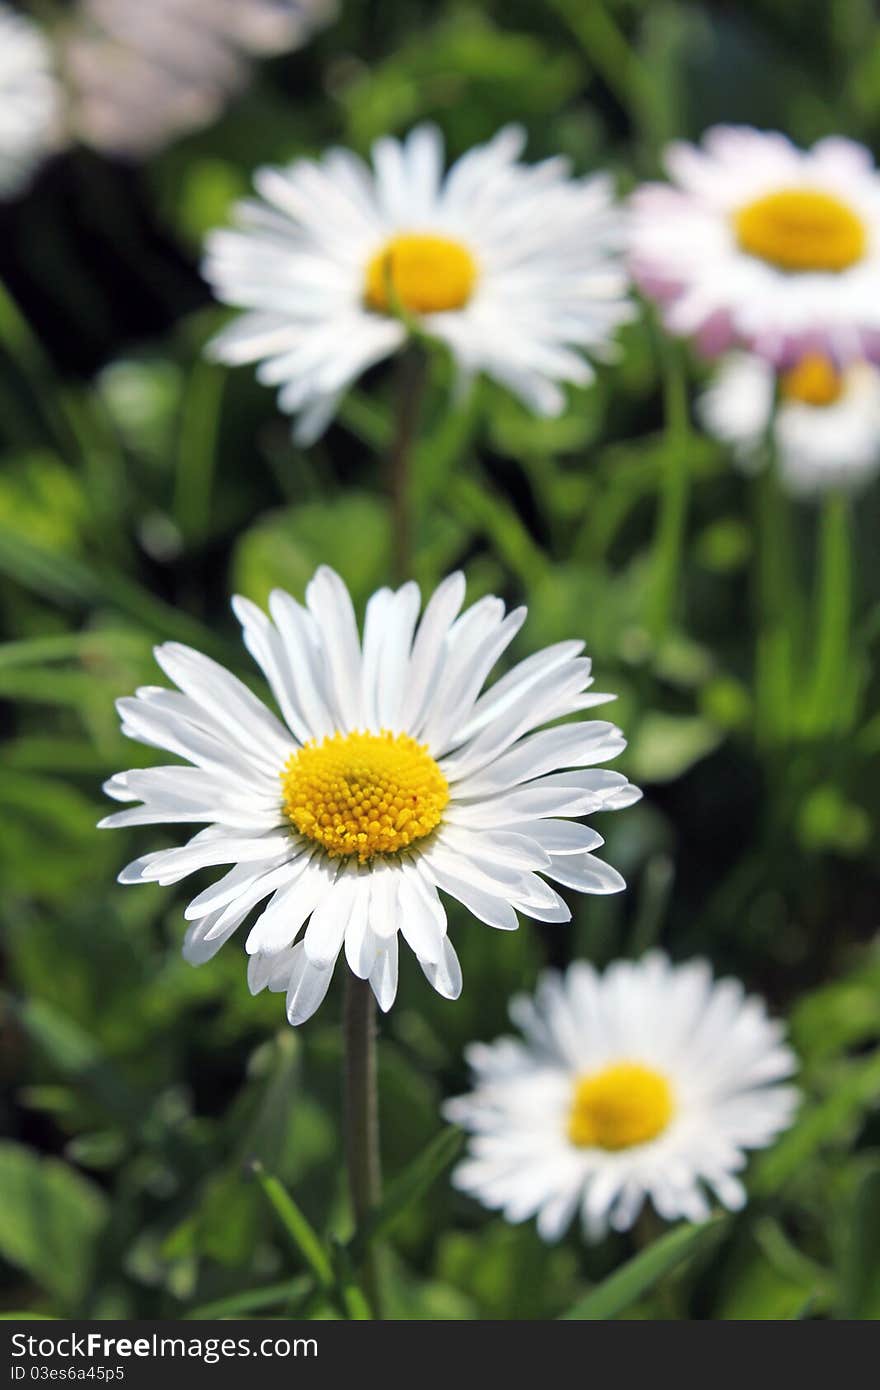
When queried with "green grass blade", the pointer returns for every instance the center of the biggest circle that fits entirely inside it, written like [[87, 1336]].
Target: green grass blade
[[819, 1124], [303, 1236], [826, 705], [197, 454], [253, 1300], [623, 1288], [860, 1271], [407, 1188]]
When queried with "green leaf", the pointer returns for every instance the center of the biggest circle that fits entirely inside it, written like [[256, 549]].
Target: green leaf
[[237, 1305], [829, 823], [50, 573], [515, 431], [351, 1294], [505, 1272], [47, 500], [66, 580], [827, 1122], [50, 1221], [78, 1057], [860, 1273], [827, 703], [46, 687], [666, 746], [492, 513], [28, 1316], [407, 1188], [758, 1291], [623, 1288], [302, 1235], [197, 451], [840, 1015], [282, 550], [466, 71]]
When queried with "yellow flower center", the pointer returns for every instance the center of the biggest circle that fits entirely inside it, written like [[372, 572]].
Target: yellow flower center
[[364, 794], [425, 274], [814, 380], [622, 1105], [801, 229]]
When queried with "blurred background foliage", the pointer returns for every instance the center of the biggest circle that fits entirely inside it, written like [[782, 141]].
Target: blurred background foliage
[[139, 486]]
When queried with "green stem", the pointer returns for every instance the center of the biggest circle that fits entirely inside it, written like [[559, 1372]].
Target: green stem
[[774, 657], [197, 451], [29, 362], [73, 421], [411, 382], [362, 1117], [614, 59], [825, 706], [668, 548]]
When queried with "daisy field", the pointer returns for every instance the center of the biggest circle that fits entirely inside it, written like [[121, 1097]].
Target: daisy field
[[439, 500]]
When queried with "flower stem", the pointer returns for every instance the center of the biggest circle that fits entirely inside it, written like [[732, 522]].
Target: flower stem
[[620, 67], [776, 610], [412, 374], [833, 604], [666, 561], [362, 1116], [361, 1092]]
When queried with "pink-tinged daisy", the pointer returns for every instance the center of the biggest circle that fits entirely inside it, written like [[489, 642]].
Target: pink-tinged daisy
[[824, 420], [758, 243], [143, 72]]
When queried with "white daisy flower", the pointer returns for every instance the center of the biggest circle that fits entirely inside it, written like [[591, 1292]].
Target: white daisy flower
[[646, 1082], [29, 104], [760, 243], [391, 778], [514, 268], [825, 424], [142, 74]]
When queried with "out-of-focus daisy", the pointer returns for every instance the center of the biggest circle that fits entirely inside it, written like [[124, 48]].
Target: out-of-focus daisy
[[391, 777], [28, 100], [825, 424], [142, 73], [514, 268], [760, 243], [649, 1081]]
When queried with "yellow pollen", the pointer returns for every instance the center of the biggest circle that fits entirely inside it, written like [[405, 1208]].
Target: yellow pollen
[[622, 1105], [801, 229], [364, 794], [427, 275], [814, 380]]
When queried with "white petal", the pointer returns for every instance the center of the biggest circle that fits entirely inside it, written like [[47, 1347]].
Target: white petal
[[307, 986], [225, 698], [561, 836], [503, 847], [325, 932], [428, 647], [330, 604], [423, 928], [445, 975], [361, 942], [291, 905], [202, 940], [251, 881], [383, 976], [586, 873], [494, 911]]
